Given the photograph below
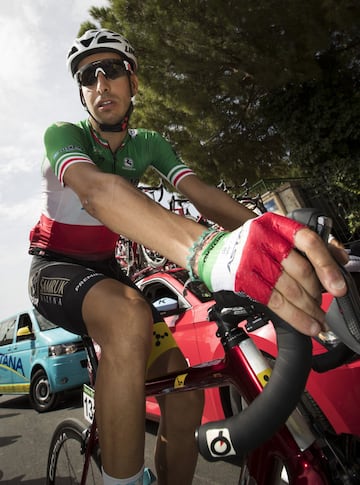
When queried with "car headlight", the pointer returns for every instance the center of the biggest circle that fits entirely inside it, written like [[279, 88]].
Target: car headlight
[[62, 349]]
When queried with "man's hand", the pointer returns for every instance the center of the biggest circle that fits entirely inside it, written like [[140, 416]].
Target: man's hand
[[260, 259], [296, 296], [338, 250]]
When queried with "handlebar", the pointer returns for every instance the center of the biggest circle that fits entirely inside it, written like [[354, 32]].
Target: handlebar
[[246, 431], [230, 188], [152, 190], [255, 201], [180, 201], [343, 316]]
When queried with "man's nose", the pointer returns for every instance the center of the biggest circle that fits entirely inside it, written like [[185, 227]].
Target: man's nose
[[102, 84]]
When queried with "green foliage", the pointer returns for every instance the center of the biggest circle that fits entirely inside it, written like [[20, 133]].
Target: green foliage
[[320, 121], [250, 89]]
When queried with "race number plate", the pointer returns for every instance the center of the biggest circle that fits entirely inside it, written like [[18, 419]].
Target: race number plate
[[88, 403]]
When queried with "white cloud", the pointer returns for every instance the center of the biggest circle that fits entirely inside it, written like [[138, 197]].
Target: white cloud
[[36, 90], [21, 51]]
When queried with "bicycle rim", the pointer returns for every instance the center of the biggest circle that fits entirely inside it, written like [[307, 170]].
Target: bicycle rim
[[66, 457], [153, 258]]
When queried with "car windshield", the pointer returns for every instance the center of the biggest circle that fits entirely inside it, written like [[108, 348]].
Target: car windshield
[[197, 287], [44, 324]]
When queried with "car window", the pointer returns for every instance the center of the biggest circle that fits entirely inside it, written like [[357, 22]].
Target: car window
[[7, 329], [25, 321], [44, 323], [157, 290]]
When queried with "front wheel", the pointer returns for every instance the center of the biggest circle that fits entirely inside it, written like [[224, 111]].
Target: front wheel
[[41, 397], [67, 456]]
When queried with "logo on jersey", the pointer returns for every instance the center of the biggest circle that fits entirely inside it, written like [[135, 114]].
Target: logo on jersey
[[69, 148], [133, 132], [128, 164]]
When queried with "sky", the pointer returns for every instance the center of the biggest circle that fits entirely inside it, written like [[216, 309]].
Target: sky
[[36, 90]]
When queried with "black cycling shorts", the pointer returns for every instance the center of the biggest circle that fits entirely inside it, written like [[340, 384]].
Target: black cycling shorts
[[58, 285]]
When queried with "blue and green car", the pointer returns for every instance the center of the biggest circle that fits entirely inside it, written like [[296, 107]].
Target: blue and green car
[[40, 359]]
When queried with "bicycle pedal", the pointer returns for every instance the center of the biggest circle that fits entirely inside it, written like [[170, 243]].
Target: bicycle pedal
[[149, 477]]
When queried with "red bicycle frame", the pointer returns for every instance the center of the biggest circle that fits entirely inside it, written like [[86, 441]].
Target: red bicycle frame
[[293, 444]]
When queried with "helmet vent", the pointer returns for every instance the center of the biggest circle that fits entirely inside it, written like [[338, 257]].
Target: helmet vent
[[86, 42], [105, 40]]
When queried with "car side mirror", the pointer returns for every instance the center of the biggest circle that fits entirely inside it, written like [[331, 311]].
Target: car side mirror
[[167, 306], [24, 333]]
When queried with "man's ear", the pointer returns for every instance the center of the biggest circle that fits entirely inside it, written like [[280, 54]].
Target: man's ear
[[134, 82]]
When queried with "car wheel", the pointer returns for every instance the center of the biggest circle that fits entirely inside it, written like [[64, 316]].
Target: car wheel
[[41, 397]]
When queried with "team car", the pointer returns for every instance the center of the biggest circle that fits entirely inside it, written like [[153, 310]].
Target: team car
[[40, 359]]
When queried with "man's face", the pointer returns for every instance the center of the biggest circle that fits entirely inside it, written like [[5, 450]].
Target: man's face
[[107, 96]]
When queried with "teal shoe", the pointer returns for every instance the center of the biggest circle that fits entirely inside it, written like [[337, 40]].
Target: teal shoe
[[149, 477]]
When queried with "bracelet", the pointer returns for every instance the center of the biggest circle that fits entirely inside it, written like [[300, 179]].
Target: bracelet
[[193, 251]]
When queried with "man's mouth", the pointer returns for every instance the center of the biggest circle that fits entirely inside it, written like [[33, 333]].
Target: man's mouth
[[105, 103]]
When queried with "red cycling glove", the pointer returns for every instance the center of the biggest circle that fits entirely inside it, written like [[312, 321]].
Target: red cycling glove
[[248, 259]]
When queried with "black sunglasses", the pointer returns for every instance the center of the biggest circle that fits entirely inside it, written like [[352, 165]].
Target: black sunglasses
[[110, 68]]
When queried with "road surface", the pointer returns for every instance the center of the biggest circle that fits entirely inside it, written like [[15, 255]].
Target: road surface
[[25, 437]]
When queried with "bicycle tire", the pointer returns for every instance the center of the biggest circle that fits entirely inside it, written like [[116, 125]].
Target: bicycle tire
[[153, 258], [66, 456]]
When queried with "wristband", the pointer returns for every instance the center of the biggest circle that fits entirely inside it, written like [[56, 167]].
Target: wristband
[[198, 244]]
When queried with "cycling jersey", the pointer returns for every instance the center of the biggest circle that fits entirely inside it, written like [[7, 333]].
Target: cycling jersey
[[64, 225]]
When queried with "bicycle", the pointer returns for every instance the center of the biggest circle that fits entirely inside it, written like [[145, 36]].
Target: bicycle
[[254, 203], [270, 435], [135, 259], [181, 206]]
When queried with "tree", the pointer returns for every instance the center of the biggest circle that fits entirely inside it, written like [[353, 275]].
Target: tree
[[249, 89], [320, 119]]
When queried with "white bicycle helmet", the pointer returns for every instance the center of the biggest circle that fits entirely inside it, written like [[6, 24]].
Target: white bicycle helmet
[[101, 40]]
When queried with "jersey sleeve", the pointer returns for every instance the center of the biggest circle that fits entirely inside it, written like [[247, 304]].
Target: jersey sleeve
[[167, 162], [65, 145]]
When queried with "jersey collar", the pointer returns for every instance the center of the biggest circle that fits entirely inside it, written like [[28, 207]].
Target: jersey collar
[[101, 141]]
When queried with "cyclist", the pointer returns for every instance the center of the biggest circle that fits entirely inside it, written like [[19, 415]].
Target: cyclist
[[89, 197]]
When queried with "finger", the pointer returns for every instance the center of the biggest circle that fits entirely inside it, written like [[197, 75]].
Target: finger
[[297, 296], [325, 266], [308, 324], [334, 242], [338, 253], [301, 270]]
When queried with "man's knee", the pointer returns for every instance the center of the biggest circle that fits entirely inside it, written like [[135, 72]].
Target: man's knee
[[118, 316]]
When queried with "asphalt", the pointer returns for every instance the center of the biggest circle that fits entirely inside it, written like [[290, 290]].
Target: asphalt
[[25, 437]]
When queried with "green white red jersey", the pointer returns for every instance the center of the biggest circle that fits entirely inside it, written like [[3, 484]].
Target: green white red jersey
[[64, 226]]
